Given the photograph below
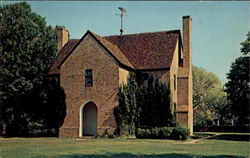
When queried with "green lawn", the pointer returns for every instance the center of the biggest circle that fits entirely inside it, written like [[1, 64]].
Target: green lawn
[[224, 145]]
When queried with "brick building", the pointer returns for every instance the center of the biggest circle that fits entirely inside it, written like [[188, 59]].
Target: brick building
[[92, 68]]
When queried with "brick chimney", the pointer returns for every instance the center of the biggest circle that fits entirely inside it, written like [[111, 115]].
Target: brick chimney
[[62, 37], [187, 41], [184, 108]]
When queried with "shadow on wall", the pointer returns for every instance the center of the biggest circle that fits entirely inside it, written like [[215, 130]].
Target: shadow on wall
[[128, 155]]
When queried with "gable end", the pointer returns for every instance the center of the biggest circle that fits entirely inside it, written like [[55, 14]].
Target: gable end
[[105, 48]]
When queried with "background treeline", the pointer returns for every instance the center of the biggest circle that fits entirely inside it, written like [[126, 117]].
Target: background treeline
[[215, 104]]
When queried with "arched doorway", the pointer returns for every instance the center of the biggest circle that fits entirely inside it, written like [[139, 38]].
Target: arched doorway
[[89, 119]]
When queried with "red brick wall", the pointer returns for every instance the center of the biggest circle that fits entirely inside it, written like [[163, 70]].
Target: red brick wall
[[89, 55]]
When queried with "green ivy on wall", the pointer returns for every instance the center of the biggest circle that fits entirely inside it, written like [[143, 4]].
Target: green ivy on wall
[[139, 107]]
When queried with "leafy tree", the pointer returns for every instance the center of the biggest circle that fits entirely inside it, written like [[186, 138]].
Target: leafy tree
[[245, 49], [238, 84], [237, 88], [27, 48], [209, 99]]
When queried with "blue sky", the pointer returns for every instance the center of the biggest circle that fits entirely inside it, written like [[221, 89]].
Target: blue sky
[[218, 27]]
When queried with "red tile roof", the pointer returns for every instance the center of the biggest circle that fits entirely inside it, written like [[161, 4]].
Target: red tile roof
[[64, 52], [152, 50], [148, 50]]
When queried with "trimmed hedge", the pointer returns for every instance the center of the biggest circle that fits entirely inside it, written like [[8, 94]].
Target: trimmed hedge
[[176, 133]]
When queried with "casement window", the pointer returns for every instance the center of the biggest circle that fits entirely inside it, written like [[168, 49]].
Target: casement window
[[145, 80], [180, 57], [174, 82], [175, 109], [88, 78]]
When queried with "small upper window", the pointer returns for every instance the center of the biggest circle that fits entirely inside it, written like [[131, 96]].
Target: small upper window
[[88, 78]]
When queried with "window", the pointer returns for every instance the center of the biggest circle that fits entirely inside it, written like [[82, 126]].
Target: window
[[174, 82], [180, 62], [145, 80], [180, 57], [88, 78], [175, 109]]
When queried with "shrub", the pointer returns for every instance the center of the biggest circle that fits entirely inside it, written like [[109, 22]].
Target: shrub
[[177, 133], [165, 132], [154, 133], [147, 133], [42, 132], [143, 133], [36, 129], [180, 133]]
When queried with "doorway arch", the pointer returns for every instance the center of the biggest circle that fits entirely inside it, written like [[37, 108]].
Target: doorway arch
[[88, 119]]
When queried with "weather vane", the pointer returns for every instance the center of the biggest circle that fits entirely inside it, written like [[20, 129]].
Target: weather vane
[[122, 13]]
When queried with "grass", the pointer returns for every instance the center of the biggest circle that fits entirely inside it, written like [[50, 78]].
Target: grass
[[222, 145]]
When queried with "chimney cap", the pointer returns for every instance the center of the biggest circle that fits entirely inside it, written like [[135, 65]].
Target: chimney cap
[[187, 16], [61, 28]]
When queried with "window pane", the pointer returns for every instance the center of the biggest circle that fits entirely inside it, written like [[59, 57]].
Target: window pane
[[145, 80], [145, 76], [88, 72], [88, 78]]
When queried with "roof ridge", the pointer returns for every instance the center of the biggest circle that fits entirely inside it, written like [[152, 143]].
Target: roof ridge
[[177, 30], [167, 31]]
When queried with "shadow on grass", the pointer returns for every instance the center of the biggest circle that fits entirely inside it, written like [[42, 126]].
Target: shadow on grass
[[129, 155], [201, 135], [232, 137]]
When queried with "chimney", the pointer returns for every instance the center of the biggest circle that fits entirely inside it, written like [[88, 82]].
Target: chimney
[[187, 65], [62, 37], [187, 42]]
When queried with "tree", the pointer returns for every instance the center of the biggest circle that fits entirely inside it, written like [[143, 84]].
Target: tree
[[27, 48], [238, 84], [237, 88], [141, 107], [209, 99], [127, 112], [156, 106], [245, 49], [151, 107]]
